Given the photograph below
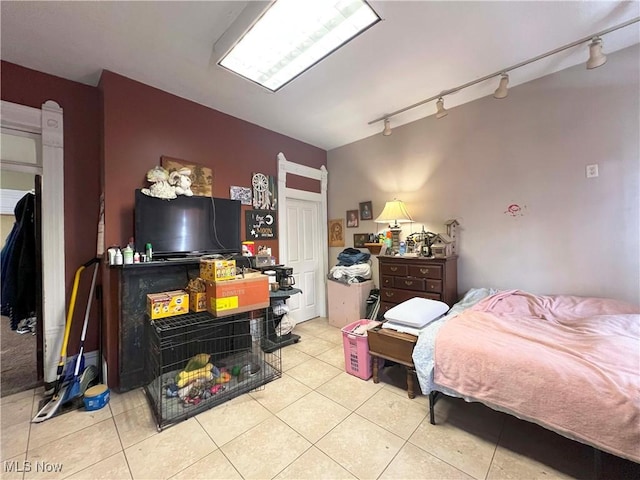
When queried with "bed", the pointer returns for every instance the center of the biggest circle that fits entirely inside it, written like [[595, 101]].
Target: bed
[[570, 364]]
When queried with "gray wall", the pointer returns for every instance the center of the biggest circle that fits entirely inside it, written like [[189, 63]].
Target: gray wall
[[576, 235]]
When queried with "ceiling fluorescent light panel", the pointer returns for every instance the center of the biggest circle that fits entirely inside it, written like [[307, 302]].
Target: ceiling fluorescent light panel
[[293, 35]]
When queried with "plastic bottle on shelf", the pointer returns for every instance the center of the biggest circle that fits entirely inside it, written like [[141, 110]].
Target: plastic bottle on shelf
[[148, 252], [389, 239], [118, 257], [127, 255]]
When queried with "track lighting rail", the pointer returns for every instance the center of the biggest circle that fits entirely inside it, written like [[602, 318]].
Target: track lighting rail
[[505, 70]]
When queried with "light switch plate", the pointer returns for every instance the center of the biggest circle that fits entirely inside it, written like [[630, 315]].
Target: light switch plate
[[592, 170]]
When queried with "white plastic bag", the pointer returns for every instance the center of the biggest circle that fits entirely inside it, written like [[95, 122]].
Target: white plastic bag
[[285, 326]]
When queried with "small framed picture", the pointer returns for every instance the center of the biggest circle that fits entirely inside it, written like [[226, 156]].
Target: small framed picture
[[336, 233], [352, 218], [359, 239], [366, 211]]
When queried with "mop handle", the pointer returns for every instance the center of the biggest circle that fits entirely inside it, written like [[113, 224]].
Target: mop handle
[[86, 317]]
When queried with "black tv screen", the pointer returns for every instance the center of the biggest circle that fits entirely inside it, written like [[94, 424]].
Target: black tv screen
[[187, 225]]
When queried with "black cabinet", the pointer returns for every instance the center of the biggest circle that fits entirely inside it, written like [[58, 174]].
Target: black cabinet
[[134, 282], [271, 341]]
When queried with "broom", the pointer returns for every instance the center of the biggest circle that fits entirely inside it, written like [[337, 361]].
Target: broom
[[75, 389]]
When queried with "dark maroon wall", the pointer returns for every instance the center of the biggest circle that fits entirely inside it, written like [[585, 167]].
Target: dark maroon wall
[[141, 124], [81, 107]]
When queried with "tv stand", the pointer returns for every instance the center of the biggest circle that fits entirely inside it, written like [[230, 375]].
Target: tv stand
[[270, 340]]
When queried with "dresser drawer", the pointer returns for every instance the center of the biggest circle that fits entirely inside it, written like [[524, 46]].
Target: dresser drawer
[[410, 283], [393, 269], [434, 286], [426, 271], [384, 306], [395, 346], [394, 295], [386, 281]]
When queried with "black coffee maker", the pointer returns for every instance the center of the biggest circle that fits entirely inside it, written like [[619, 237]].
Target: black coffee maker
[[284, 277]]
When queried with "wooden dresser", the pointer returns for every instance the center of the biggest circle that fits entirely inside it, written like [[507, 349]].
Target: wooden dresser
[[402, 278]]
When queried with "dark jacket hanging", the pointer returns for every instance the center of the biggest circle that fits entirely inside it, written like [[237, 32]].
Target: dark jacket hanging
[[18, 260]]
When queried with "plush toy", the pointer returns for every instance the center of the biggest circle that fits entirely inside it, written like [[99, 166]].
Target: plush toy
[[160, 186], [181, 180]]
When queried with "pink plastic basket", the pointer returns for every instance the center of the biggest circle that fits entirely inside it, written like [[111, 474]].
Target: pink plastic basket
[[357, 360]]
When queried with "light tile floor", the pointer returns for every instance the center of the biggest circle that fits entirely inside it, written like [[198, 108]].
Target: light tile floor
[[316, 422]]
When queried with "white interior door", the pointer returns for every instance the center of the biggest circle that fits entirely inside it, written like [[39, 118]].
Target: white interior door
[[303, 255]]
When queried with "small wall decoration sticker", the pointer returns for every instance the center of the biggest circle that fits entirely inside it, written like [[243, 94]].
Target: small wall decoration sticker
[[265, 192], [515, 210], [261, 225], [240, 193]]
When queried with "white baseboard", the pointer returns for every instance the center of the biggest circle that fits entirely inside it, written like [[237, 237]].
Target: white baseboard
[[90, 358]]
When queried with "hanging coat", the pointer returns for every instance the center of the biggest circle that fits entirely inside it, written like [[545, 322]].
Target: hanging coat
[[18, 261]]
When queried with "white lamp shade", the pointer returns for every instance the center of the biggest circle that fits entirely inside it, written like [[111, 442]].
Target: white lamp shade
[[394, 212]]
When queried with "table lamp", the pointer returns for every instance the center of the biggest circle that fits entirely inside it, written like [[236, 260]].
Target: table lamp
[[394, 213]]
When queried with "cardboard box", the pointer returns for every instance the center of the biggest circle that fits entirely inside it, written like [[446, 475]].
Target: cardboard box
[[197, 302], [197, 289], [214, 270], [167, 304], [237, 296]]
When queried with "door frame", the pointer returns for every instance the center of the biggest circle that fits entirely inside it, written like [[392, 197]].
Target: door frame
[[48, 123], [284, 193]]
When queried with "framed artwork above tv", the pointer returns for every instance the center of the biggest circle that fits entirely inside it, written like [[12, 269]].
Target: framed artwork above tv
[[201, 176]]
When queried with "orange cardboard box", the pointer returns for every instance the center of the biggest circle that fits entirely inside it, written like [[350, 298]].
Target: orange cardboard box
[[237, 296]]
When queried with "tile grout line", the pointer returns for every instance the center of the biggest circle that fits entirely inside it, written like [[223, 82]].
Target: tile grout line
[[124, 453], [495, 449]]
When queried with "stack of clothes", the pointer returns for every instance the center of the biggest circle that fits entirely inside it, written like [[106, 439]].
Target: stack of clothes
[[353, 267]]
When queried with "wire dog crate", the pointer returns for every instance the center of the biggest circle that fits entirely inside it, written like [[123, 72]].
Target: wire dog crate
[[196, 361]]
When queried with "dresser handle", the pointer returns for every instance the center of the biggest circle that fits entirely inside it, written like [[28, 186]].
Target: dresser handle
[[408, 283], [433, 287], [389, 294], [393, 269], [424, 270]]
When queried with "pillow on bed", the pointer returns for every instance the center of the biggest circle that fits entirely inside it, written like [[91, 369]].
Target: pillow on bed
[[416, 312]]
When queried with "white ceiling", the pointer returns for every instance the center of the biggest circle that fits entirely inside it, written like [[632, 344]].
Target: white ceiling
[[419, 49]]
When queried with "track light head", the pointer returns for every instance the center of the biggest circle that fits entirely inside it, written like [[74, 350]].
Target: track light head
[[502, 91], [440, 110], [387, 128], [596, 57]]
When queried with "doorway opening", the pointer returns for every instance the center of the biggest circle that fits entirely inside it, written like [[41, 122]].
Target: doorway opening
[[21, 353]]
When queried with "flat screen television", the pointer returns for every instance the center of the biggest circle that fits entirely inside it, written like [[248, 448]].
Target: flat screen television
[[187, 226]]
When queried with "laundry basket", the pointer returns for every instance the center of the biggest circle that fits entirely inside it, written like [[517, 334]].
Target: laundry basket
[[357, 360]]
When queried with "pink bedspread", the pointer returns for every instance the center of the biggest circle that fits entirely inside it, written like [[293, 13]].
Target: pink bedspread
[[570, 364]]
